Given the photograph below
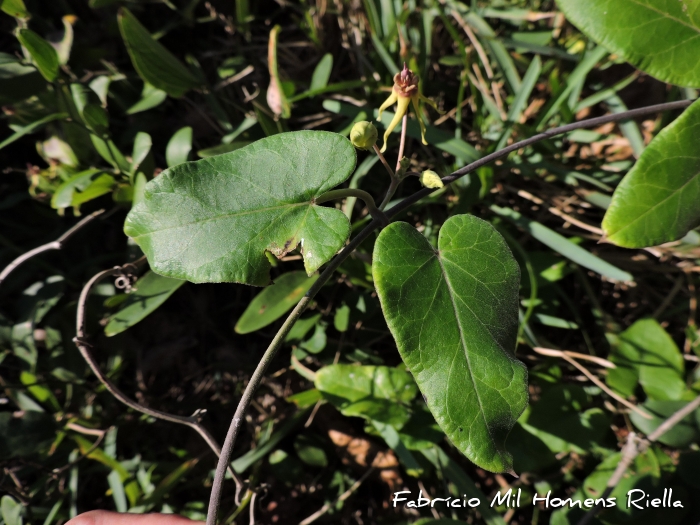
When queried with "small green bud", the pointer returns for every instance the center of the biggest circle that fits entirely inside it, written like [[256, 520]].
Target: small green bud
[[430, 179], [363, 135], [404, 164]]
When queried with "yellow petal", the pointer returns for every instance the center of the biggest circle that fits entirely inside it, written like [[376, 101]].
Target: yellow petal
[[428, 101], [401, 107], [419, 118], [388, 102]]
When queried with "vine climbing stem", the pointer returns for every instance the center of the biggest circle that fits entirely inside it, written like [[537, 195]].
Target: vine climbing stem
[[125, 275], [275, 345]]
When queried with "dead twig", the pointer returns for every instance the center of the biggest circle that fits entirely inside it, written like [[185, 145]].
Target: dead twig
[[692, 307], [576, 355], [83, 430], [345, 495], [235, 78], [570, 357], [475, 42], [556, 211], [635, 446], [53, 245]]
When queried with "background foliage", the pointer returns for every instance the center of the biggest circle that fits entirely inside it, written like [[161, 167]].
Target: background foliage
[[120, 90]]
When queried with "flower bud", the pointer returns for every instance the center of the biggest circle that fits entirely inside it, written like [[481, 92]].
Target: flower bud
[[363, 135], [404, 164], [430, 179]]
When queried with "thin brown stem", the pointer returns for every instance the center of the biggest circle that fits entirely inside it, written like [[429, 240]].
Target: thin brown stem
[[636, 446], [389, 193], [268, 356], [604, 387], [475, 42], [576, 355], [676, 418], [126, 274], [93, 432], [588, 123], [395, 180]]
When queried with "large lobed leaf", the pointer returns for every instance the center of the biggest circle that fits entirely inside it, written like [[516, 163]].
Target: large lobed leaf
[[212, 220], [454, 314], [660, 37], [657, 201]]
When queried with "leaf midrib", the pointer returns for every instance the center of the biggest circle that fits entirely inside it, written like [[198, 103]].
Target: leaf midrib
[[464, 347]]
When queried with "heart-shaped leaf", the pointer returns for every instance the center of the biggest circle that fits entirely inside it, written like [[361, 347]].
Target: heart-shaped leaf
[[152, 60], [212, 220], [454, 314], [657, 201], [661, 38]]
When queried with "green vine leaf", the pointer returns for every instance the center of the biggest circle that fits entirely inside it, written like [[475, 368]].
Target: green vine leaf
[[212, 220], [454, 314], [660, 38], [657, 201]]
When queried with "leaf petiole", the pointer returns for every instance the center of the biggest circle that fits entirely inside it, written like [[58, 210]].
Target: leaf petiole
[[375, 212]]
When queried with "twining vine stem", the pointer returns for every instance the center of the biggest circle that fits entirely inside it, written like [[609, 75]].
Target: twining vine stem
[[256, 378], [125, 275]]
